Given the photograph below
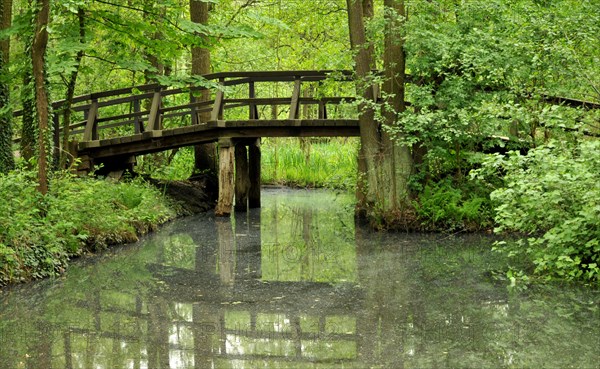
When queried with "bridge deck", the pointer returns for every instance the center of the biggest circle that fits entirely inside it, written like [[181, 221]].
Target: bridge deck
[[160, 140]]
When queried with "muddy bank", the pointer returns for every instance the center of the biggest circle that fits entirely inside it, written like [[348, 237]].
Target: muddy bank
[[195, 195]]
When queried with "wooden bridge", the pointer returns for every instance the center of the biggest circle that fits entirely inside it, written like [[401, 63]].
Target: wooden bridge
[[236, 109]]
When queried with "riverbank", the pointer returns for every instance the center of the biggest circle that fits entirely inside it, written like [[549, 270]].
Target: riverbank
[[40, 234]]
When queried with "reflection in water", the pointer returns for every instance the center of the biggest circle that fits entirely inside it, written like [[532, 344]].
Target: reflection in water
[[294, 285]]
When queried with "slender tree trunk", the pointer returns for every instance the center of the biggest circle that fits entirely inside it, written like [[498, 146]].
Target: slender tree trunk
[[29, 126], [5, 22], [7, 161], [40, 43], [401, 164], [206, 155], [369, 131], [361, 185], [71, 90]]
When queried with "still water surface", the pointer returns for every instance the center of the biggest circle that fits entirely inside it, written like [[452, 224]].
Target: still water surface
[[295, 285]]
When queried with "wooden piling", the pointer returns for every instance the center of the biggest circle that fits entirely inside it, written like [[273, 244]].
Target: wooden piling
[[254, 174], [226, 155], [242, 180]]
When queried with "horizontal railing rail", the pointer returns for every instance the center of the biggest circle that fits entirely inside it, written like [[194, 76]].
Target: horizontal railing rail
[[146, 106]]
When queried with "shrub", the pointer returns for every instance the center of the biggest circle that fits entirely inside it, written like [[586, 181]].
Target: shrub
[[38, 234], [552, 197]]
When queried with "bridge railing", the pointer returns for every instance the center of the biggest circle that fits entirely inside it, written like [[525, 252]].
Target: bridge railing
[[145, 108]]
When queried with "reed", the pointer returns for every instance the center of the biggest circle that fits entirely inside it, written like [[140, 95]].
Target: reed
[[314, 163]]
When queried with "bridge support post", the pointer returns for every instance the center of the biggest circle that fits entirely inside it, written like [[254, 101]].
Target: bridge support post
[[242, 181], [225, 201], [254, 174]]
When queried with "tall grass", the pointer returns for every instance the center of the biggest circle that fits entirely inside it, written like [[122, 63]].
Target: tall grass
[[328, 163]]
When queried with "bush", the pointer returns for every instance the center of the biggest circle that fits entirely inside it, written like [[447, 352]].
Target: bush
[[552, 196], [38, 234]]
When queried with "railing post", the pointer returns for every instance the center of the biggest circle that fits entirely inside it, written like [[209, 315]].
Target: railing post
[[91, 127], [252, 94], [217, 112], [193, 112], [137, 122], [322, 110], [154, 118], [295, 104]]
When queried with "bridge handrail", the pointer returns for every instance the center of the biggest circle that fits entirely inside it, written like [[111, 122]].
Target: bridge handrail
[[94, 101], [251, 76]]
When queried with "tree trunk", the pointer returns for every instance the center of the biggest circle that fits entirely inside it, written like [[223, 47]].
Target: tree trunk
[[40, 43], [369, 131], [401, 164], [206, 155], [29, 126], [7, 161], [384, 164]]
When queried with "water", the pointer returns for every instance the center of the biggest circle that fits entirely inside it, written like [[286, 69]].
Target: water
[[295, 285]]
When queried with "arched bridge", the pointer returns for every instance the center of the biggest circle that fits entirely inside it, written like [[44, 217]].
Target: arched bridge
[[151, 118], [235, 109]]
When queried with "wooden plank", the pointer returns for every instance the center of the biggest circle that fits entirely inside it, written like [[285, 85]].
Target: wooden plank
[[188, 129], [123, 91], [295, 106], [124, 100], [91, 132], [152, 134], [217, 111], [137, 137]]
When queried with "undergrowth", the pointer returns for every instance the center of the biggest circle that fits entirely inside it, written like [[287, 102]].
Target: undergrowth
[[39, 234]]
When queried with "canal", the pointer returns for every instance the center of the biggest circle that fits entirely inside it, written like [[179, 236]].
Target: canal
[[296, 284]]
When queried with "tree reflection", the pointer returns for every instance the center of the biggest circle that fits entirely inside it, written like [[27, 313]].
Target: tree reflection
[[294, 284]]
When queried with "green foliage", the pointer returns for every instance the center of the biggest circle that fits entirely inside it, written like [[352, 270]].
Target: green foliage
[[552, 197], [451, 206], [43, 232], [310, 164]]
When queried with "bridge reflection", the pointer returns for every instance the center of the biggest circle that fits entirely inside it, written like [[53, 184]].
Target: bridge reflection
[[224, 296]]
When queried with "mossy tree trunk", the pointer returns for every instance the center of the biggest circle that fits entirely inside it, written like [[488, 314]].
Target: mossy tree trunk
[[7, 161], [384, 163], [40, 43]]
